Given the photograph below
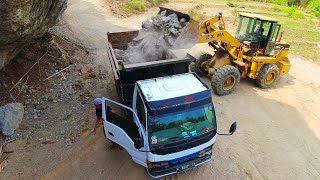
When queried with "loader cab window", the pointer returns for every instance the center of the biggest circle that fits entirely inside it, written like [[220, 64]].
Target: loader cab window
[[265, 28], [271, 42], [247, 29]]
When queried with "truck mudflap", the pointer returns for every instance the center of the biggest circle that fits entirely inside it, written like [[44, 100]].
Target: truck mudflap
[[157, 172]]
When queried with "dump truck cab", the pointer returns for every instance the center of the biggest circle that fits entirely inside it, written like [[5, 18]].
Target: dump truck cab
[[258, 32], [174, 121]]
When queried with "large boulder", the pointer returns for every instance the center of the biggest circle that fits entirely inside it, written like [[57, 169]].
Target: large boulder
[[10, 117], [21, 21]]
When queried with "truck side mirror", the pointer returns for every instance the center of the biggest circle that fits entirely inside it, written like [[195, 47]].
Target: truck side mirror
[[233, 128], [138, 143]]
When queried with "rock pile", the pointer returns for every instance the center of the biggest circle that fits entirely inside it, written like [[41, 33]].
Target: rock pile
[[153, 40]]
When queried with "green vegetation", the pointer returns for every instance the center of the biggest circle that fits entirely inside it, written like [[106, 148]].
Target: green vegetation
[[311, 21], [294, 12], [231, 4], [137, 5], [280, 2], [314, 5], [276, 9]]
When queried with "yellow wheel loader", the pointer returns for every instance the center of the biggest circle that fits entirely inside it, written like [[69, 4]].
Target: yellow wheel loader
[[256, 51]]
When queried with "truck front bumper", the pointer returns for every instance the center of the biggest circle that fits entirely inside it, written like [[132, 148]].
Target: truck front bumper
[[159, 172]]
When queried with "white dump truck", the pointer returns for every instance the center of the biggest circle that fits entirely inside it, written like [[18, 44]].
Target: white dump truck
[[171, 122]]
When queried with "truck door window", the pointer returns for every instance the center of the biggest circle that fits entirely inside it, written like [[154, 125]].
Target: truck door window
[[141, 111]]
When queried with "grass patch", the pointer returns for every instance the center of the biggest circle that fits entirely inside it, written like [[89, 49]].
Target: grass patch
[[311, 21], [303, 38], [306, 52], [276, 9], [280, 2], [126, 8], [294, 12], [136, 5], [231, 4]]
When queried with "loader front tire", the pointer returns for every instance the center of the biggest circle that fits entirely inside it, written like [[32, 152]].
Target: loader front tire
[[198, 68], [225, 80], [268, 74]]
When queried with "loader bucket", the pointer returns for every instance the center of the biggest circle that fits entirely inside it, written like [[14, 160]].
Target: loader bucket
[[190, 33]]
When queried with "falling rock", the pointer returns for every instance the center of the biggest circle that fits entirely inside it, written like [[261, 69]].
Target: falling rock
[[10, 117]]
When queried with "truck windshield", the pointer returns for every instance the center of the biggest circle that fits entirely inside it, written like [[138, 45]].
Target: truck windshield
[[180, 125]]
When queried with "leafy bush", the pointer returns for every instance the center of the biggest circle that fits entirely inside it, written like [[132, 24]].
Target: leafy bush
[[314, 5], [137, 5], [294, 12], [231, 4], [276, 9]]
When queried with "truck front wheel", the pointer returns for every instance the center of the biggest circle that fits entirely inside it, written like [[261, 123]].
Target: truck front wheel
[[268, 74], [225, 80], [199, 69]]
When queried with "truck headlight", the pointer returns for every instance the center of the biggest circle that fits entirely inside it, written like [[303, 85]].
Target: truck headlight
[[157, 164], [205, 152]]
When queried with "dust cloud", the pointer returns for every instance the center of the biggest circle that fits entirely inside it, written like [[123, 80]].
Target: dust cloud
[[153, 40]]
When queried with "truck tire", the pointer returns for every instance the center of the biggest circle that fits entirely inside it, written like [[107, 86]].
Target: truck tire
[[198, 69], [268, 74], [225, 80]]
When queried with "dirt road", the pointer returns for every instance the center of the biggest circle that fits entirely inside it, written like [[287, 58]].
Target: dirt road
[[278, 135]]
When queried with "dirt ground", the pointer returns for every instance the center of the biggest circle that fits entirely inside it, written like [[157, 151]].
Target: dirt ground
[[278, 135]]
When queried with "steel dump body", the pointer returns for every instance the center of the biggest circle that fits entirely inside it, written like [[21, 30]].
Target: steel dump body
[[126, 75]]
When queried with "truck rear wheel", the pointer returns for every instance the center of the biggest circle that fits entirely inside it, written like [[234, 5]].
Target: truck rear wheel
[[198, 69], [268, 74], [225, 80]]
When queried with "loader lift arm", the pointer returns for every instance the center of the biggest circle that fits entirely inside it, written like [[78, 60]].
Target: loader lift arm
[[211, 33]]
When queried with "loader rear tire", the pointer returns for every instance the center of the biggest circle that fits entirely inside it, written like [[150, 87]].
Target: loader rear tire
[[198, 69], [225, 80], [268, 74]]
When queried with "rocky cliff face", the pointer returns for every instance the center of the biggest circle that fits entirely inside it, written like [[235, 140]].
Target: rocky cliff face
[[21, 21]]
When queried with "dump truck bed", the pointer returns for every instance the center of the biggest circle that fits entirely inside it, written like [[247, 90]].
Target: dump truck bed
[[126, 75]]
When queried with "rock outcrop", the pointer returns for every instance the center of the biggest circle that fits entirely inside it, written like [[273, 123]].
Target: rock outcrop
[[21, 21], [10, 117]]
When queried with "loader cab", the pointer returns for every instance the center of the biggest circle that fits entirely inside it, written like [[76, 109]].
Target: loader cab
[[259, 33]]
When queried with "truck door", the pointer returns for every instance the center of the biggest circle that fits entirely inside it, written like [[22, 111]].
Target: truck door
[[123, 132]]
